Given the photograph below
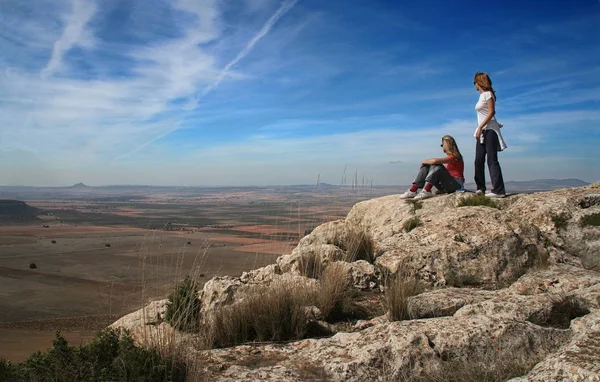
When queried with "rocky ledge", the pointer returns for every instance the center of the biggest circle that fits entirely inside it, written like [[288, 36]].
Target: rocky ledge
[[515, 283]]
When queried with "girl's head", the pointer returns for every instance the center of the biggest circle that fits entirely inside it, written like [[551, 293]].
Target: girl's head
[[450, 147], [483, 83]]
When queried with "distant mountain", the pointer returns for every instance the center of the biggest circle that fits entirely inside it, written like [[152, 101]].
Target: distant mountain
[[17, 210], [80, 186]]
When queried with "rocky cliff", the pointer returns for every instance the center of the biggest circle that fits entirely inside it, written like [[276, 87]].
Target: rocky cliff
[[517, 284]]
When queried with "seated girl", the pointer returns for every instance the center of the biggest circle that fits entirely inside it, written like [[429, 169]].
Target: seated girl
[[446, 174]]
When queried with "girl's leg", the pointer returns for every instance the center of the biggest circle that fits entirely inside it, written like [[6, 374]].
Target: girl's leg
[[491, 146], [419, 181], [480, 151]]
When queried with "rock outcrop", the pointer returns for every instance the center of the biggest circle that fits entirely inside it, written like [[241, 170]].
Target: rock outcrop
[[519, 282]]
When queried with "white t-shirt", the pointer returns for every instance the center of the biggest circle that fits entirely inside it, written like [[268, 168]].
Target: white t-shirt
[[483, 110]]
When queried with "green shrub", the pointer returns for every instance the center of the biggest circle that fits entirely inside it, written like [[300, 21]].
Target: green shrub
[[592, 220], [411, 223], [111, 356], [476, 200], [183, 307], [459, 238]]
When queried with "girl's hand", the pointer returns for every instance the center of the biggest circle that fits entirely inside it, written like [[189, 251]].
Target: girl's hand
[[478, 133]]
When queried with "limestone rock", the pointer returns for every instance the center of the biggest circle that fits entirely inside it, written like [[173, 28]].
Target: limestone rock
[[153, 313]]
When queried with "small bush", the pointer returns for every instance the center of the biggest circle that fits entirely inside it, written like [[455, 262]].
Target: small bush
[[411, 223], [459, 238], [274, 313], [311, 265], [397, 294], [561, 220], [107, 245], [32, 266], [183, 307], [592, 220], [563, 309], [53, 241], [476, 200], [111, 356], [357, 244]]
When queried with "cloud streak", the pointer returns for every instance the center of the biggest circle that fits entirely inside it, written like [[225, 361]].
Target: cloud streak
[[74, 34]]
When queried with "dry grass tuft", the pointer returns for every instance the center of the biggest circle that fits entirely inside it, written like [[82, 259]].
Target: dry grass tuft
[[398, 291], [334, 298], [311, 265], [357, 244], [274, 313]]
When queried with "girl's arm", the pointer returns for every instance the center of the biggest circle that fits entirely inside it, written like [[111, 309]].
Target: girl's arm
[[492, 108], [436, 161]]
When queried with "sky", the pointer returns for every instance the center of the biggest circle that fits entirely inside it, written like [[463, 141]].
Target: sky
[[277, 92]]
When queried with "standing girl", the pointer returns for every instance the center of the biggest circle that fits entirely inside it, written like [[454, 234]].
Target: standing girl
[[489, 138]]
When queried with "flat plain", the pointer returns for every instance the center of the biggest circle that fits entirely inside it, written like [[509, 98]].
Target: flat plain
[[100, 253]]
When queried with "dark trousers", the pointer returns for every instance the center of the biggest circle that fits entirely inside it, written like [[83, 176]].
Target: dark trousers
[[437, 175], [490, 148]]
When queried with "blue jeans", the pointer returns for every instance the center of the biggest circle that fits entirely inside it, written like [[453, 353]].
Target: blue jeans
[[439, 177]]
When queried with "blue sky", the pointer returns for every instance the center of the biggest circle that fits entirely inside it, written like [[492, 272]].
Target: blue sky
[[262, 92]]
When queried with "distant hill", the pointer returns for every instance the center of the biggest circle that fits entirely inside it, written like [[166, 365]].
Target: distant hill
[[79, 186], [16, 210]]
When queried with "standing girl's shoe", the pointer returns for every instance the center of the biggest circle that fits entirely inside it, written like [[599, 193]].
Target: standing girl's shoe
[[488, 137]]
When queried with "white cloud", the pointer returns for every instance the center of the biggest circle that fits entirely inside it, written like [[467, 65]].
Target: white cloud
[[74, 34]]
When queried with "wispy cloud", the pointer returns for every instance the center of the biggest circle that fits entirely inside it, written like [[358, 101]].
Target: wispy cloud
[[74, 34], [225, 72]]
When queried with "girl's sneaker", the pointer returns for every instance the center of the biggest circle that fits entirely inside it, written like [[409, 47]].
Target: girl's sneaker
[[424, 195], [408, 195], [492, 195]]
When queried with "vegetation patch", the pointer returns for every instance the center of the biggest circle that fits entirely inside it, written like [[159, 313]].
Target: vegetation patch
[[275, 313], [336, 298], [560, 220], [591, 220], [111, 356], [357, 244], [459, 238], [563, 309], [415, 205], [398, 291], [477, 200], [311, 265], [411, 223], [183, 307]]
